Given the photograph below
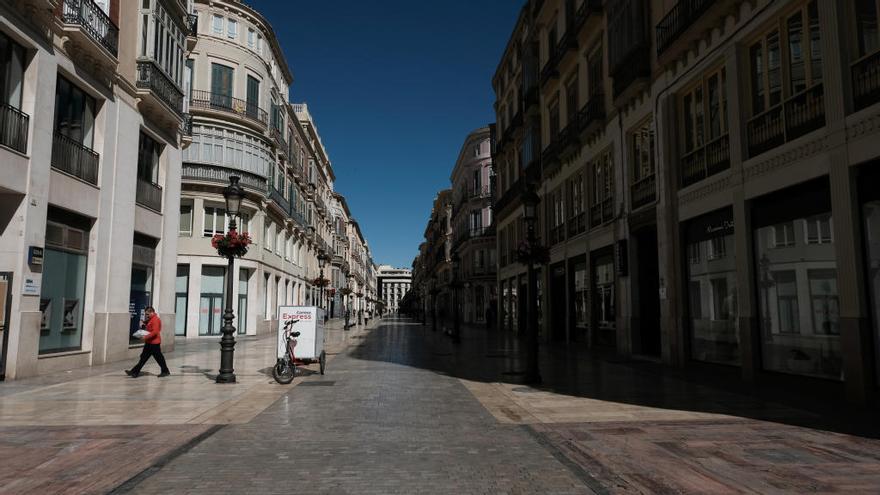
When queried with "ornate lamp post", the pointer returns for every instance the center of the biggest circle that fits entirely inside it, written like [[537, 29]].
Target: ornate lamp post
[[322, 260], [530, 202], [347, 302], [233, 193], [456, 324]]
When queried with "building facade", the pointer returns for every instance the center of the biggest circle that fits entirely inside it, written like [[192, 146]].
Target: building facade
[[703, 170], [91, 130], [394, 285], [473, 237], [244, 124]]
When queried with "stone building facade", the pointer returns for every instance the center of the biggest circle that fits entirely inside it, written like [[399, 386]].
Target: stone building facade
[[705, 171]]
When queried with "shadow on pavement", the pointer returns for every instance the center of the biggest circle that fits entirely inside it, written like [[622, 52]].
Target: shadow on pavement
[[494, 356]]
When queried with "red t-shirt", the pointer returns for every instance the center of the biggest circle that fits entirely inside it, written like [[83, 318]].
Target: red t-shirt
[[154, 326]]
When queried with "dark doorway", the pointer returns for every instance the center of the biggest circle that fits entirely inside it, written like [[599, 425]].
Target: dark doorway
[[557, 303], [5, 316], [648, 292], [522, 306]]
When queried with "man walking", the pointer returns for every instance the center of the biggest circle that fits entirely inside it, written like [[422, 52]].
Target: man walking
[[152, 344]]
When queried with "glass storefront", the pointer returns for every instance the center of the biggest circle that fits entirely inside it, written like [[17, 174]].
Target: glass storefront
[[796, 271], [181, 299], [211, 300], [63, 289], [871, 214], [141, 292], [711, 288], [604, 306], [579, 292]]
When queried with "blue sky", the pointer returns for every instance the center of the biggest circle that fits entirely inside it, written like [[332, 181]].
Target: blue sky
[[395, 86]]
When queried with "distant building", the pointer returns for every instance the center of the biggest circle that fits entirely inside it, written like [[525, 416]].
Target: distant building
[[394, 283]]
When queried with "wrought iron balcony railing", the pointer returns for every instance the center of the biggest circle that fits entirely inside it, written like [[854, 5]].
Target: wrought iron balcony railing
[[14, 128], [149, 195], [798, 115], [643, 191], [277, 197], [678, 20], [151, 77], [602, 212], [71, 157], [90, 18], [593, 112], [866, 81], [705, 161], [225, 103]]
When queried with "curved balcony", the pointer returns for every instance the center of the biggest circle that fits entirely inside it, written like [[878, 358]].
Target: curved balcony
[[248, 112], [218, 175], [160, 92]]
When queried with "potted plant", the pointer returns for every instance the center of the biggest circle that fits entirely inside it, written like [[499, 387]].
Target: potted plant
[[231, 243], [320, 282]]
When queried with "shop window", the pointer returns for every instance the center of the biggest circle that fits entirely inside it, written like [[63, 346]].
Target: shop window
[[211, 300], [214, 221], [62, 296], [711, 285], [797, 287], [143, 264]]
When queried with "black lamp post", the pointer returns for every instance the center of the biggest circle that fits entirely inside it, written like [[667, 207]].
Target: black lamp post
[[322, 260], [530, 202], [348, 302], [233, 193], [456, 324]]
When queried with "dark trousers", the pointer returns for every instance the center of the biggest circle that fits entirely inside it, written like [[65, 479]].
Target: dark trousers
[[154, 350]]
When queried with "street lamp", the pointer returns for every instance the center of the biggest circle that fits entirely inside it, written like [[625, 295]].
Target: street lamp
[[456, 326], [322, 260], [348, 301], [530, 202], [233, 194]]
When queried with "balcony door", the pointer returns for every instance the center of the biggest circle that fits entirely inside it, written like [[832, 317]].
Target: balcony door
[[253, 96], [221, 86]]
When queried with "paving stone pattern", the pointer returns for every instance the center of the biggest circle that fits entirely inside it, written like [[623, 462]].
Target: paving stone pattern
[[382, 427]]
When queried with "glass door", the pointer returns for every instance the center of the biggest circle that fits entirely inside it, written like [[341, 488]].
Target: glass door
[[253, 97], [221, 86]]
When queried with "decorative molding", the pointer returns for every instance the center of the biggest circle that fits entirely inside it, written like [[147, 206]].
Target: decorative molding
[[716, 186], [866, 125], [785, 158]]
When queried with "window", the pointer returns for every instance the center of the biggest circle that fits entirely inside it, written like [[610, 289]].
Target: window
[[217, 24], [786, 60], [553, 122], [74, 113], [643, 152], [704, 110], [231, 29], [181, 299], [594, 73], [571, 97], [694, 253], [186, 217], [167, 44], [786, 301], [603, 178], [12, 59], [716, 249], [818, 230], [149, 151], [866, 26], [267, 229], [783, 235], [251, 39], [63, 291], [279, 240], [215, 221]]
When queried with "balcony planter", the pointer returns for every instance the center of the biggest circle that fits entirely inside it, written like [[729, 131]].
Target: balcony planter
[[231, 244], [320, 282]]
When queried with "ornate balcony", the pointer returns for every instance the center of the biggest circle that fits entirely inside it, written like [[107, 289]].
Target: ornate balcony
[[789, 120], [592, 115], [153, 82], [220, 176], [643, 191], [149, 195], [277, 197], [71, 157], [678, 20], [866, 81], [279, 140], [14, 126], [706, 161], [85, 20], [602, 212], [247, 111]]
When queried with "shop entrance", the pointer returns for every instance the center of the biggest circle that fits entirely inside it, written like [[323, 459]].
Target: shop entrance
[[648, 291], [557, 303], [604, 302]]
